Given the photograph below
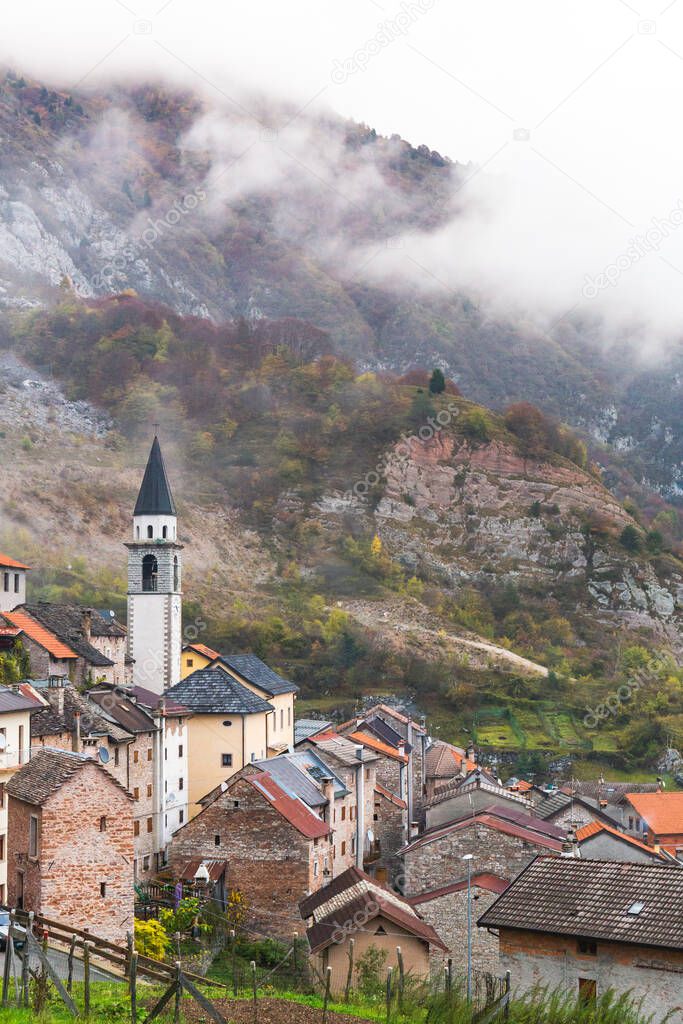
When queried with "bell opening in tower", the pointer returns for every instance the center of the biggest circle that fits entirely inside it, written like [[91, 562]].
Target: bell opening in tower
[[150, 573]]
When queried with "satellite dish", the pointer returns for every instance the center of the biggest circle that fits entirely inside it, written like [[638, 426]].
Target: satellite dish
[[103, 755], [170, 799]]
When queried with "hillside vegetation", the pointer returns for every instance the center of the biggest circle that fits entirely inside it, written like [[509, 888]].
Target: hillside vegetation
[[335, 532], [269, 212]]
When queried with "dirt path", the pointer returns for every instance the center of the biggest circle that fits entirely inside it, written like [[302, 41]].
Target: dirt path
[[405, 625], [270, 1011]]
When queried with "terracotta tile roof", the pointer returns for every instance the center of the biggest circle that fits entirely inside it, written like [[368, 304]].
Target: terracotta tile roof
[[208, 652], [292, 809], [443, 761], [353, 892], [609, 900], [378, 746], [40, 634], [11, 563], [483, 880], [593, 828], [663, 812], [10, 631], [521, 786], [528, 830], [397, 801], [47, 771], [216, 869]]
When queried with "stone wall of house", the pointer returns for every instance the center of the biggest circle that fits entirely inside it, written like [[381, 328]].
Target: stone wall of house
[[141, 781], [448, 916], [269, 861], [85, 843], [433, 864], [572, 817], [653, 975], [390, 829]]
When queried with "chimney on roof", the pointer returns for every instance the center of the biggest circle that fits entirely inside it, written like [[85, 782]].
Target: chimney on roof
[[413, 829], [359, 751], [570, 847], [327, 785], [76, 736], [471, 753], [86, 623], [59, 698]]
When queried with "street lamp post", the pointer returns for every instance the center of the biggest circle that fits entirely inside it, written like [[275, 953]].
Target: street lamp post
[[469, 858]]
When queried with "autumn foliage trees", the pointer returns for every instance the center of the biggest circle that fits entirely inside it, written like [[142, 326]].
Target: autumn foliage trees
[[540, 433]]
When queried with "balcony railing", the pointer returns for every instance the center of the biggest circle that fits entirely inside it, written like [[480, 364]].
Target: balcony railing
[[14, 758]]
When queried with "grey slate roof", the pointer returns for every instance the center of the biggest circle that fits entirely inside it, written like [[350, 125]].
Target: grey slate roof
[[213, 691], [10, 701], [123, 711], [66, 622], [305, 727], [47, 771], [595, 900], [291, 773], [155, 496], [50, 721], [560, 801], [258, 674]]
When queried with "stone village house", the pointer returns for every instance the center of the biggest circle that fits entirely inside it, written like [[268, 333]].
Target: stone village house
[[586, 926], [261, 841], [70, 843], [355, 905]]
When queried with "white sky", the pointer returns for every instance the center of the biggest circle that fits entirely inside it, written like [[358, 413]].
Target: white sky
[[597, 83]]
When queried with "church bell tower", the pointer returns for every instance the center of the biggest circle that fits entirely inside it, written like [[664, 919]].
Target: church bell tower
[[154, 582]]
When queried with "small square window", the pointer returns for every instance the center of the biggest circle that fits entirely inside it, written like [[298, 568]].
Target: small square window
[[136, 828], [103, 888], [150, 753], [150, 825], [181, 816], [190, 662], [103, 823], [216, 840], [226, 760], [136, 756], [136, 793], [145, 863], [149, 790], [180, 750]]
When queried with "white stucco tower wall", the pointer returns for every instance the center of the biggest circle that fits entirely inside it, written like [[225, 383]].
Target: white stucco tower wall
[[155, 582]]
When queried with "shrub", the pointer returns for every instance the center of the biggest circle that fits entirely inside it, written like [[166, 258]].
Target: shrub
[[630, 538], [476, 425], [437, 382], [151, 939]]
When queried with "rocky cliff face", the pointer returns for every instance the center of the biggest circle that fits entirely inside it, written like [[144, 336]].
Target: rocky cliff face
[[476, 514]]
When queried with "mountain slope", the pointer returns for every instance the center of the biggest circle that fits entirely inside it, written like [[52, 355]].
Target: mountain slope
[[282, 214], [359, 532]]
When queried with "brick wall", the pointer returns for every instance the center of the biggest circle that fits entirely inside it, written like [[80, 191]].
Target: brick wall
[[431, 864], [653, 975], [269, 861], [75, 858]]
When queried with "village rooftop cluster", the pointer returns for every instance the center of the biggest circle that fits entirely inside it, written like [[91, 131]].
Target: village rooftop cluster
[[128, 757]]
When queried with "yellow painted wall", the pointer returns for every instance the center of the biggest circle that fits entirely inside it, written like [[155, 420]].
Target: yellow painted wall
[[209, 739], [190, 661], [415, 951]]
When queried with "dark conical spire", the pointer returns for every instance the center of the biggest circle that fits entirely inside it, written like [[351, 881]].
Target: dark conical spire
[[155, 498]]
